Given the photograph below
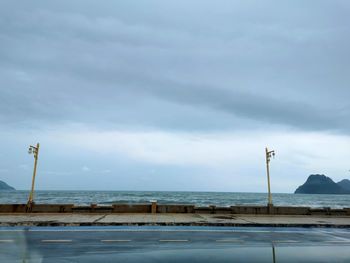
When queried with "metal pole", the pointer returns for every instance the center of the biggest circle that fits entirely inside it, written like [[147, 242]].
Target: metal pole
[[268, 175], [31, 195]]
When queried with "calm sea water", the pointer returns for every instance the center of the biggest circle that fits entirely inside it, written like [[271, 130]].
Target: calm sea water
[[196, 198]]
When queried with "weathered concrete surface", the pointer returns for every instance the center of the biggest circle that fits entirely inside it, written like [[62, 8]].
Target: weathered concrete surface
[[172, 219], [173, 208]]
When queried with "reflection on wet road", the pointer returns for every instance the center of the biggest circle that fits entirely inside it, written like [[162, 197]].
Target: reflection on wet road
[[173, 244]]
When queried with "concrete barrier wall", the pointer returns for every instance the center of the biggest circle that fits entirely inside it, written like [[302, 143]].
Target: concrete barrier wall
[[37, 208], [288, 210], [254, 210], [213, 210], [93, 208], [173, 208], [204, 210], [329, 211], [47, 208], [134, 208], [16, 208]]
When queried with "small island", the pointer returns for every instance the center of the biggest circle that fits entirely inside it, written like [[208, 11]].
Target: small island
[[4, 186], [321, 184]]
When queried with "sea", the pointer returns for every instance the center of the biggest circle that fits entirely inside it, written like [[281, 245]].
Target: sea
[[223, 199]]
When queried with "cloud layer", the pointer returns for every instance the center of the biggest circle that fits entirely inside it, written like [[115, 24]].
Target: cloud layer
[[156, 73]]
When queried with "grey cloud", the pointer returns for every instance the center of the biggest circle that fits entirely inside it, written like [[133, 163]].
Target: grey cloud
[[170, 67], [174, 67]]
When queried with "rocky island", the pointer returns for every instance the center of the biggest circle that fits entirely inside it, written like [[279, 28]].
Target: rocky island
[[345, 183], [321, 184], [5, 186]]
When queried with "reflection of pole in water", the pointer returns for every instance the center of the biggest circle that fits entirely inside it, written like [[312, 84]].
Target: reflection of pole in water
[[273, 254]]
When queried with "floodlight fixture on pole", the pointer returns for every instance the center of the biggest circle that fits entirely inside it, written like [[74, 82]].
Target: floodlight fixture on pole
[[35, 151], [269, 154]]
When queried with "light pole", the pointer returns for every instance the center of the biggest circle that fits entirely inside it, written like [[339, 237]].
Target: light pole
[[269, 154], [35, 151]]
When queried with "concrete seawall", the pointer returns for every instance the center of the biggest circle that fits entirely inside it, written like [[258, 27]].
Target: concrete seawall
[[170, 219], [155, 208]]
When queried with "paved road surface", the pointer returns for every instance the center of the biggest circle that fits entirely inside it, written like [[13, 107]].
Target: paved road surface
[[173, 244]]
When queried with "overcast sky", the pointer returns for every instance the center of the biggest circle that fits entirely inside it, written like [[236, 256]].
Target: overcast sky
[[174, 95]]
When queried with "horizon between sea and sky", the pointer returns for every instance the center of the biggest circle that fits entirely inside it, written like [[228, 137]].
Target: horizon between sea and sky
[[181, 96]]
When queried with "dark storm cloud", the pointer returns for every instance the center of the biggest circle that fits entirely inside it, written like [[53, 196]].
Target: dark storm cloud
[[187, 66]]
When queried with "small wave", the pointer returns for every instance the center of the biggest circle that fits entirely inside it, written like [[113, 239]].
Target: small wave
[[194, 198]]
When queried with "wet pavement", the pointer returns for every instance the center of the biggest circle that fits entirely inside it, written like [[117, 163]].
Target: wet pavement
[[173, 244]]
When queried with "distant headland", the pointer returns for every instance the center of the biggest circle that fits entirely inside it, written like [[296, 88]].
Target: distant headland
[[321, 184], [5, 186]]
